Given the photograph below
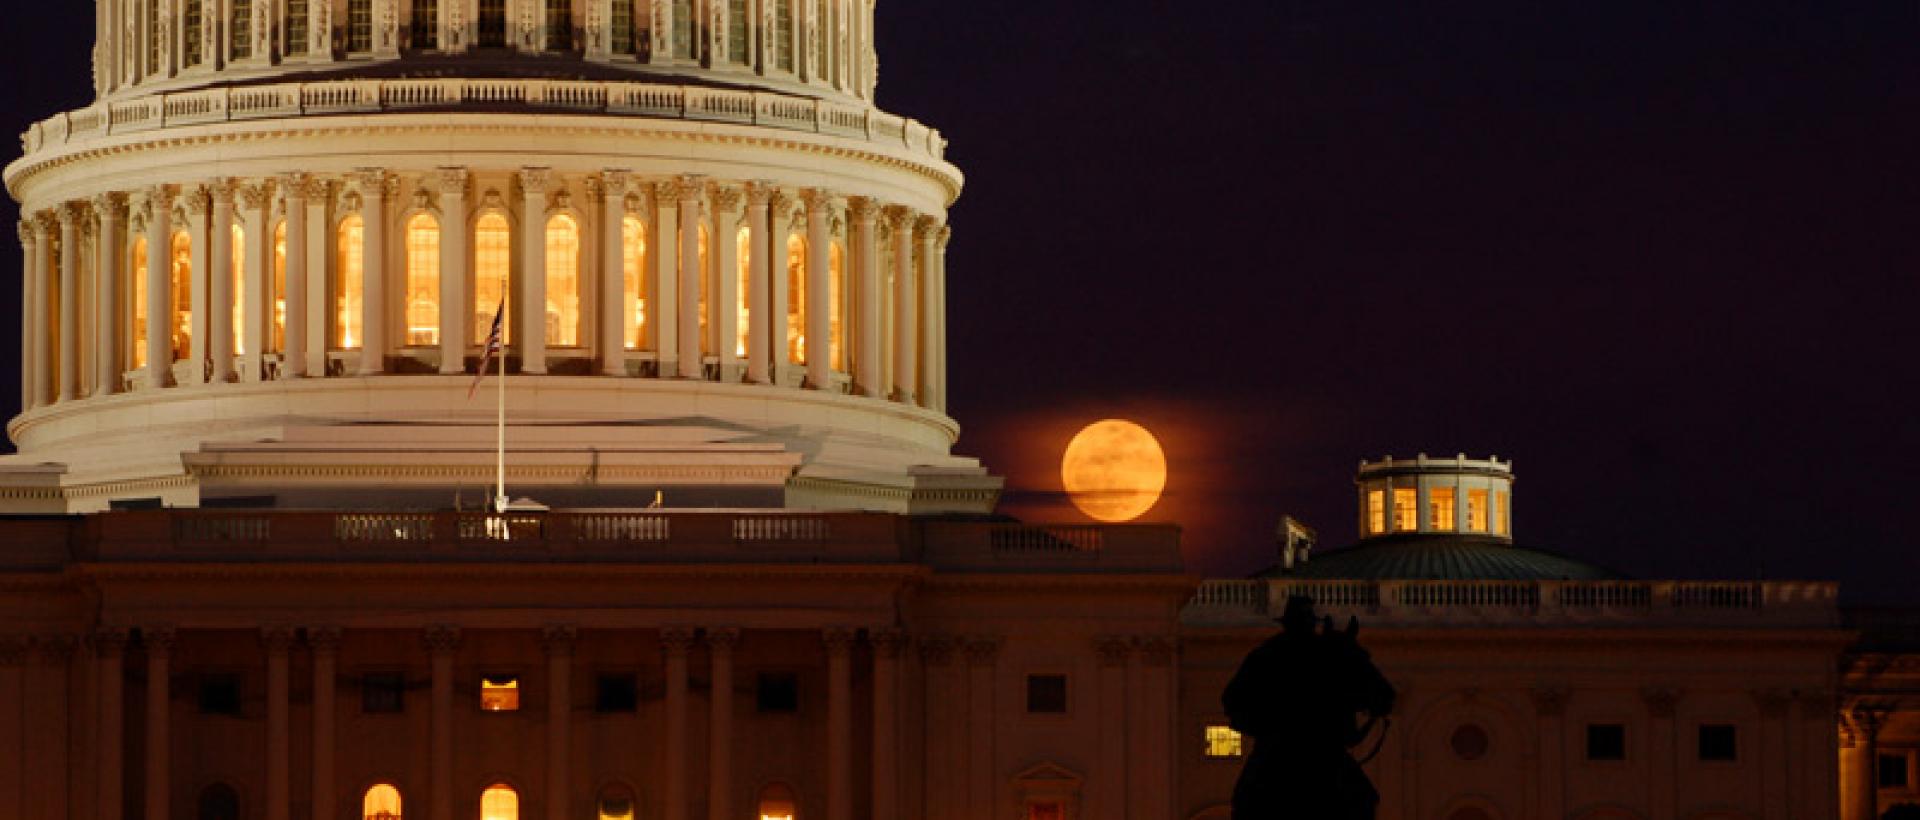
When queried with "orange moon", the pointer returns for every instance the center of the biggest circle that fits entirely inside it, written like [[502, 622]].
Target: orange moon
[[1114, 471]]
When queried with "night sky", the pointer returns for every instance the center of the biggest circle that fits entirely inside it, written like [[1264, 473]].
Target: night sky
[[1664, 256]]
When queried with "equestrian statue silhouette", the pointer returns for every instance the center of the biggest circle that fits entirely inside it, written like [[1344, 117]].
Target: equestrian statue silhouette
[[1299, 696]]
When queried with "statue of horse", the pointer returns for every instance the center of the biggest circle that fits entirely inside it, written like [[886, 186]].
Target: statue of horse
[[1298, 697]]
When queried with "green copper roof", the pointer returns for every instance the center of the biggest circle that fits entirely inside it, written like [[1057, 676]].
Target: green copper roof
[[1444, 558]]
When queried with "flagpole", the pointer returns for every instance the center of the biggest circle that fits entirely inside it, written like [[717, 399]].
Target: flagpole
[[500, 427]]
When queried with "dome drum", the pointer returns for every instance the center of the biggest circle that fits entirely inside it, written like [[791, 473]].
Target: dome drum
[[1436, 495]]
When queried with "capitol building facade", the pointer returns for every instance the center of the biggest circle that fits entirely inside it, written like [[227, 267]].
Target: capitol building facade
[[248, 570]]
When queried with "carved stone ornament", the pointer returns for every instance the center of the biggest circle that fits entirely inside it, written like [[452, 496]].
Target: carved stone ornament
[[723, 638], [558, 639], [108, 640], [55, 648], [277, 639], [422, 199], [838, 640], [675, 641], [864, 210], [441, 638], [935, 650], [726, 199], [887, 642], [255, 197], [1660, 701], [759, 194], [13, 650], [1158, 650], [982, 651], [1112, 650], [323, 639], [1550, 701], [493, 200]]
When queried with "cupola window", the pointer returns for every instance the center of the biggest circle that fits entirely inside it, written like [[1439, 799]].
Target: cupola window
[[683, 30], [423, 280], [1476, 510], [783, 35], [279, 341], [182, 270], [704, 275], [190, 33], [1440, 501], [1406, 509], [837, 307], [238, 270], [492, 263], [743, 254], [348, 284], [137, 286], [563, 281], [737, 42], [633, 250], [796, 299]]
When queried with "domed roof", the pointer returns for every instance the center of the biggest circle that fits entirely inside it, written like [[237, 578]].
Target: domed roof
[[1444, 558]]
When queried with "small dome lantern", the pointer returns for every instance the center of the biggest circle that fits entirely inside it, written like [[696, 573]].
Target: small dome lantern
[[1436, 495]]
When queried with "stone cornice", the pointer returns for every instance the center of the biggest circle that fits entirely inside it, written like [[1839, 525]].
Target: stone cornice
[[494, 569]]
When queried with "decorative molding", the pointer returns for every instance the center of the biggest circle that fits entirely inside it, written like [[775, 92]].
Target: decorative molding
[[159, 639], [1158, 650], [441, 638], [760, 193], [1550, 701], [323, 640], [13, 650], [56, 648], [887, 642], [1112, 650], [983, 650], [935, 650], [838, 640], [108, 639], [722, 638], [1660, 701], [559, 639], [277, 639], [676, 641]]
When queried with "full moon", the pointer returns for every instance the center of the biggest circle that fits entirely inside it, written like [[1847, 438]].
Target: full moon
[[1114, 471]]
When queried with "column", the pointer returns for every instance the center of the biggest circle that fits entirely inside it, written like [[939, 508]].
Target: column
[[160, 352], [663, 287], [720, 644], [45, 280], [48, 730], [1860, 789], [324, 643], [293, 353], [69, 373], [819, 291], [1776, 778], [109, 647], [839, 646], [724, 297], [219, 271], [945, 719], [455, 303], [277, 640], [1819, 772], [982, 780], [868, 299], [320, 237], [779, 301], [532, 331], [613, 271], [674, 642], [13, 659], [924, 297], [906, 308], [1139, 776], [1661, 754], [110, 294], [29, 296], [159, 747], [687, 193], [373, 272], [199, 202], [441, 642], [256, 291], [1550, 709], [937, 340], [759, 312], [887, 644], [1107, 787], [558, 642], [1158, 654]]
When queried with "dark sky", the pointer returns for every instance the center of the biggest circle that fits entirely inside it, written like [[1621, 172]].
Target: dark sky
[[1662, 255]]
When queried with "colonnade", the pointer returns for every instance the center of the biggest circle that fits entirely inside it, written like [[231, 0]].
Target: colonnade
[[374, 272]]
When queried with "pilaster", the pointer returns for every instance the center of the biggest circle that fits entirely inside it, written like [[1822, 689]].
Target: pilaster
[[323, 643], [689, 192], [110, 293], [71, 215], [720, 786], [442, 640], [456, 302], [613, 185], [674, 644], [277, 641], [159, 642], [532, 333], [863, 216], [819, 310], [760, 244], [983, 653], [558, 641]]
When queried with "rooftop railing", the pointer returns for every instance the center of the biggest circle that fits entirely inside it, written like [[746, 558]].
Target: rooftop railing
[[1414, 603]]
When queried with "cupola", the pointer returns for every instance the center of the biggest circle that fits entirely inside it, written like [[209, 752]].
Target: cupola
[[1436, 495]]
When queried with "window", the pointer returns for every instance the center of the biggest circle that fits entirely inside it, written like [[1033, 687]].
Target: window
[[500, 693], [796, 299], [682, 29], [1718, 742], [239, 266], [359, 26], [1406, 509], [563, 281], [1606, 741], [1893, 772], [621, 29], [615, 694], [426, 24], [1502, 513], [737, 22], [615, 803], [499, 802], [218, 802], [492, 264], [1376, 512], [297, 26], [837, 309], [219, 694], [1476, 510], [633, 273], [705, 308], [383, 693], [1046, 694], [776, 803], [1469, 742], [1440, 508], [382, 802], [240, 29], [777, 692], [1223, 742], [783, 34], [423, 281], [137, 286], [743, 292], [347, 284], [493, 23], [182, 296], [190, 34], [279, 287], [559, 25]]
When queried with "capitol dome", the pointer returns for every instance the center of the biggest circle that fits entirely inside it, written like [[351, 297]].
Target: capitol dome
[[263, 264]]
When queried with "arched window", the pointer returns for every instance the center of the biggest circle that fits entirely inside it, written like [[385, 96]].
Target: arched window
[[705, 310], [240, 28], [182, 274], [499, 802], [279, 287], [838, 311], [616, 803], [783, 34], [492, 264], [776, 803], [297, 26], [633, 250], [218, 802], [426, 24], [493, 30], [796, 299], [743, 294], [239, 265], [382, 802], [348, 283], [822, 37], [563, 281], [423, 280], [359, 25], [137, 286]]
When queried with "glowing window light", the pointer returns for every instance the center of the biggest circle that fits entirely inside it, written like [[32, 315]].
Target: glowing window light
[[796, 299], [137, 284], [499, 802], [703, 273], [744, 292], [776, 803], [837, 294], [1406, 509], [633, 250], [1476, 510], [423, 281], [382, 802], [1440, 507], [239, 289], [492, 264], [349, 284], [616, 803], [1376, 512], [1502, 513], [563, 281], [182, 296], [280, 288], [1223, 741], [500, 694]]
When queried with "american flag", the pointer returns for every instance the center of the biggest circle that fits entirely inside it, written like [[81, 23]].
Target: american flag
[[494, 338]]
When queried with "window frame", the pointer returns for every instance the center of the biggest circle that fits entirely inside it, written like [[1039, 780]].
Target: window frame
[[205, 677], [485, 679], [403, 317], [1066, 694], [760, 679], [600, 679], [363, 678], [1700, 730], [1587, 746]]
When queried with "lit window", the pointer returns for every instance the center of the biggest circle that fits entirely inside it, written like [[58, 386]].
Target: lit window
[[1376, 511], [704, 273], [1047, 694], [500, 694], [492, 264], [837, 310], [615, 803], [499, 802], [776, 803], [1440, 503], [633, 249], [347, 284], [796, 299], [1718, 742], [1406, 509], [1223, 741], [744, 293], [280, 287], [382, 802], [423, 280], [182, 297], [1502, 513], [1476, 510], [137, 285], [563, 281], [239, 289]]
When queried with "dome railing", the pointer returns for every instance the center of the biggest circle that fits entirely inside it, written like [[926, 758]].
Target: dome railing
[[653, 100], [1418, 602]]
